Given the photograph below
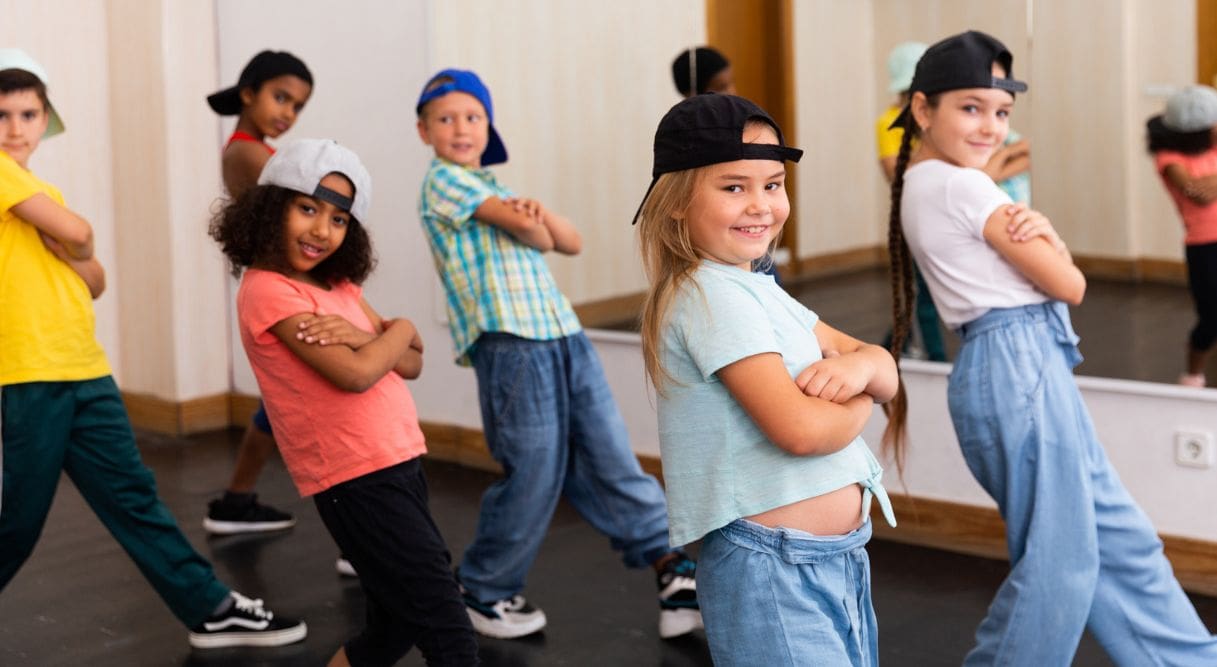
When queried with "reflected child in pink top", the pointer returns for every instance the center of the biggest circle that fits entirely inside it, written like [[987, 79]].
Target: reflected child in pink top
[[331, 372]]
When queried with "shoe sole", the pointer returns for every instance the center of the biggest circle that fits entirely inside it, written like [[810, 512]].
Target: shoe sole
[[677, 622], [228, 639], [238, 527], [489, 628]]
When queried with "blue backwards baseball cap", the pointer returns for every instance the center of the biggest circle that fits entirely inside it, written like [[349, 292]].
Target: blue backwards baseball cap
[[464, 81]]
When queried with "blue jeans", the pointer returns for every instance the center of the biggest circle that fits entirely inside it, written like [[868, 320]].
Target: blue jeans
[[778, 596], [1082, 553], [551, 422]]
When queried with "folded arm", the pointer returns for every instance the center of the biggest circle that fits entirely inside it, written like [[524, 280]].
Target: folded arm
[[349, 369], [59, 223], [800, 424]]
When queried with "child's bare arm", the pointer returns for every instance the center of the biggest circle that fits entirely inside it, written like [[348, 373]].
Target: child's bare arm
[[410, 366], [348, 369], [849, 368], [59, 223], [566, 238], [1041, 260], [324, 329], [516, 219], [90, 270], [800, 424], [241, 165]]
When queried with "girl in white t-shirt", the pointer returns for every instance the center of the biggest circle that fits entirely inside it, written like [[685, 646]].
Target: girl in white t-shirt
[[1082, 554], [760, 402]]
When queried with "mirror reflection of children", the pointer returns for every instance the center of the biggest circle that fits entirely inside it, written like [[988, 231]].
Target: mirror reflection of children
[[702, 70], [1083, 555], [60, 409], [270, 93], [547, 411], [331, 373], [760, 402], [1183, 141]]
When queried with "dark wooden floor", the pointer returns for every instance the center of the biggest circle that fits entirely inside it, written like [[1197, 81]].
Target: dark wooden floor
[[80, 601]]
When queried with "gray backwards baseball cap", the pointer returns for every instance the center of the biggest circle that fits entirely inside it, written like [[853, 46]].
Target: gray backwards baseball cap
[[1192, 109], [301, 164], [18, 59]]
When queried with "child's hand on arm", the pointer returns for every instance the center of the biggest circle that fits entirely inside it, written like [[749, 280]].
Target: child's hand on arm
[[1026, 224], [516, 217], [410, 365], [90, 270], [566, 238], [849, 368], [348, 369], [323, 329], [799, 424], [1047, 265]]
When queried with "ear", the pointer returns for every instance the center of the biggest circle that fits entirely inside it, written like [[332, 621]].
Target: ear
[[922, 111], [247, 96], [422, 131]]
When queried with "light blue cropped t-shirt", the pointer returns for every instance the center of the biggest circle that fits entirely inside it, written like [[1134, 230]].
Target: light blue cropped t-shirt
[[717, 464]]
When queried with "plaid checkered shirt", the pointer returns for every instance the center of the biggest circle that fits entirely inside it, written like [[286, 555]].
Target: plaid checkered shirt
[[492, 281]]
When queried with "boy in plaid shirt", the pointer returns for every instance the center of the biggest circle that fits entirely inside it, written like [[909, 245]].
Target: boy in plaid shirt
[[547, 413]]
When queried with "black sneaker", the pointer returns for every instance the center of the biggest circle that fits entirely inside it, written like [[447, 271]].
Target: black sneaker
[[246, 623], [679, 612], [242, 513], [503, 619]]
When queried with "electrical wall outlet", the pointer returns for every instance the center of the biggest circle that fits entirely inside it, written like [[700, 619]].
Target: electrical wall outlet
[[1194, 449]]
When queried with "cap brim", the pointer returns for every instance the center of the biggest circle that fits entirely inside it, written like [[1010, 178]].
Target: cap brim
[[226, 102], [496, 152], [1010, 85], [902, 118], [54, 124], [644, 200]]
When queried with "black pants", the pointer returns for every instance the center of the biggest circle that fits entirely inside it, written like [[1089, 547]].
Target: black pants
[[1202, 279], [382, 523]]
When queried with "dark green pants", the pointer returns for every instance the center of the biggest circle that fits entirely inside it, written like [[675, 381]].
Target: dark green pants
[[82, 429]]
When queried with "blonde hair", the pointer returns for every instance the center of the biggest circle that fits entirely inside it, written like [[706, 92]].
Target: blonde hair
[[668, 256]]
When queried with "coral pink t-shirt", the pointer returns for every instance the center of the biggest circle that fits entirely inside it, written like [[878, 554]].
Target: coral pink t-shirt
[[1200, 222], [326, 435]]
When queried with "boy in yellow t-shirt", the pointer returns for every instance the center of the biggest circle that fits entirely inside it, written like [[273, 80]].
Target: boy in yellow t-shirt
[[60, 409]]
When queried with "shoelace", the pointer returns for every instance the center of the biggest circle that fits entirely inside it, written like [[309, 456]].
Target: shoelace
[[252, 606]]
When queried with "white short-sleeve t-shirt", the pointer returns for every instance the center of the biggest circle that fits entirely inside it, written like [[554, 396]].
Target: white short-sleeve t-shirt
[[943, 210]]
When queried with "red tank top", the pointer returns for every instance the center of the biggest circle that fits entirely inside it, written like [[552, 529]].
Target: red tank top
[[243, 136]]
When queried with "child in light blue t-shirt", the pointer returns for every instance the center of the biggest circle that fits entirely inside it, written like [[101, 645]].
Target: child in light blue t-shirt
[[760, 402]]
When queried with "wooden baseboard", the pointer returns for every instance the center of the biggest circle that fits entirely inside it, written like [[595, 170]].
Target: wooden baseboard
[[1141, 269], [836, 263], [611, 312], [178, 417]]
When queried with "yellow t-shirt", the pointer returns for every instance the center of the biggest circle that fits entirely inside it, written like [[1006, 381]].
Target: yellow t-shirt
[[888, 140], [46, 312]]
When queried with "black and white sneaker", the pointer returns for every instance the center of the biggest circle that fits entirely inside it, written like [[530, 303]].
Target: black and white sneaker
[[504, 619], [679, 612], [246, 623], [237, 513]]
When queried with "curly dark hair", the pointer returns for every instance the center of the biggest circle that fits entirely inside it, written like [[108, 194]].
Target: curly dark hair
[[1159, 137], [249, 230]]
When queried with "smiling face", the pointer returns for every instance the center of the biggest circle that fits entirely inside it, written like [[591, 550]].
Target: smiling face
[[966, 126], [738, 208], [456, 126], [272, 109], [23, 120], [314, 228]]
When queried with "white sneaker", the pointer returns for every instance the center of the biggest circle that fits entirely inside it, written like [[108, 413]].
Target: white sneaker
[[246, 623], [679, 612], [504, 619]]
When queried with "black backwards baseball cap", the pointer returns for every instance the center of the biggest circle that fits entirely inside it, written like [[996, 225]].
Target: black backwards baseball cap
[[301, 164], [465, 81], [961, 61], [708, 129], [261, 68]]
